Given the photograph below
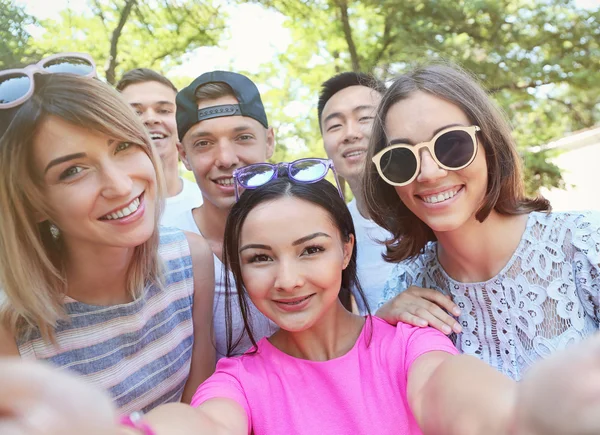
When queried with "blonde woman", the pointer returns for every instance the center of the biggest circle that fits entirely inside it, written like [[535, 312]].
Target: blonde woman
[[89, 282]]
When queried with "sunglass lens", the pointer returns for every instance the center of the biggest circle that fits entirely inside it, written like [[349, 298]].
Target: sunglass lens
[[454, 149], [69, 64], [13, 87], [308, 170], [255, 176], [398, 165]]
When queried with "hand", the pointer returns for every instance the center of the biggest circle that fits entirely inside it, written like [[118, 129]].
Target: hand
[[422, 307], [561, 395], [36, 399]]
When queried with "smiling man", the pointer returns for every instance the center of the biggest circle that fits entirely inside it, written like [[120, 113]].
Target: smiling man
[[222, 126], [152, 96], [346, 108]]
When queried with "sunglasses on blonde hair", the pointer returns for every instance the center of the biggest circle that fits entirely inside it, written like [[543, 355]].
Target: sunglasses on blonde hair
[[17, 85], [453, 149]]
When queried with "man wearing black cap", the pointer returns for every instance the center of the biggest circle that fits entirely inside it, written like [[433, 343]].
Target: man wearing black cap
[[222, 126]]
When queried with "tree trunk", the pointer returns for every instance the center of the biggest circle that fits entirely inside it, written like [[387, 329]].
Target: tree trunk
[[343, 5], [114, 41]]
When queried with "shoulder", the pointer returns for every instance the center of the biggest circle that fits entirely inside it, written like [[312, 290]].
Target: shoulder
[[203, 267], [588, 219], [579, 228], [199, 247], [170, 235], [411, 271], [405, 342], [173, 245]]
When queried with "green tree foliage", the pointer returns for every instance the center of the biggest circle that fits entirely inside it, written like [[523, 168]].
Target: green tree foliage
[[539, 58], [125, 34], [15, 48]]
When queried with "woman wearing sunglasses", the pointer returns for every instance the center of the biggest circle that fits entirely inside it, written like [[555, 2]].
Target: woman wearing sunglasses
[[289, 244], [444, 177], [89, 282]]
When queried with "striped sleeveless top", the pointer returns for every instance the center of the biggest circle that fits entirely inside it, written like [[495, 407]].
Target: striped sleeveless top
[[139, 352]]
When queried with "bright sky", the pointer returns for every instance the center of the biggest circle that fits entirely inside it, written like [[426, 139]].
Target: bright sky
[[245, 46]]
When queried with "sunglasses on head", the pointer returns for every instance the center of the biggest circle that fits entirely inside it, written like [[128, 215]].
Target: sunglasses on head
[[453, 148], [17, 85], [303, 171]]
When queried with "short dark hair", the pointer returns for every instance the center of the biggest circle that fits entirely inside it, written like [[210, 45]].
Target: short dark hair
[[342, 81], [143, 75], [505, 191], [323, 194]]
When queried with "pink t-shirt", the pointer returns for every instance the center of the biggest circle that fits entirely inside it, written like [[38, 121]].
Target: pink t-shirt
[[361, 392]]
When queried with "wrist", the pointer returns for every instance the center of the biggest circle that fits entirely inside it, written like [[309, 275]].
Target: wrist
[[133, 424]]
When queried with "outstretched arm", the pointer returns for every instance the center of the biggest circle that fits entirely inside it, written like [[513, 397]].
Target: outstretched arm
[[213, 417], [460, 395], [463, 395]]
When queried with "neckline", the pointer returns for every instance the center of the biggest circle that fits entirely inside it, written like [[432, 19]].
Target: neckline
[[265, 343], [69, 300], [508, 265]]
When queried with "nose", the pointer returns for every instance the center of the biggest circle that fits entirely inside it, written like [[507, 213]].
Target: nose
[[149, 117], [226, 155], [289, 277], [353, 132], [430, 171], [116, 181]]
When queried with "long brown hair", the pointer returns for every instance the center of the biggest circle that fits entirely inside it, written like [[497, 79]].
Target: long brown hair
[[32, 273], [505, 191]]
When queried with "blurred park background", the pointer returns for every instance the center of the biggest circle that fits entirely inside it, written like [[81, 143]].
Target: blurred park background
[[540, 59]]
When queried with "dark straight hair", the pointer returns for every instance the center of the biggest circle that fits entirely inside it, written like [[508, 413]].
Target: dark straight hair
[[505, 191], [342, 81], [323, 194]]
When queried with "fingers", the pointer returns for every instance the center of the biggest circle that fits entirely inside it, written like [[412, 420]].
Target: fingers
[[422, 307], [436, 297], [438, 319]]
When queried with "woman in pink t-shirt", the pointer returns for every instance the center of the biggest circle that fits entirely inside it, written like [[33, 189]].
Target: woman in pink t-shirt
[[290, 246]]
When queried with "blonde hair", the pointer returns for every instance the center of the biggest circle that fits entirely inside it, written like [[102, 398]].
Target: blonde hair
[[31, 262]]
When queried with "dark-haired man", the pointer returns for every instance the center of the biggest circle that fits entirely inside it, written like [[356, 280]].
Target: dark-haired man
[[222, 126], [347, 105], [346, 108], [152, 96]]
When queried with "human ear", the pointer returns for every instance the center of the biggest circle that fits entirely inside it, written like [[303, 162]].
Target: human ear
[[270, 142], [183, 156], [348, 247]]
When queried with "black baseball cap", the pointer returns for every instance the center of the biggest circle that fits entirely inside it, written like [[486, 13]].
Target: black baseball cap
[[246, 92]]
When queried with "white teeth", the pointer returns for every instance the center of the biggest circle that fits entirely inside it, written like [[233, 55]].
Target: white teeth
[[125, 211], [155, 136], [355, 153], [434, 199], [224, 181]]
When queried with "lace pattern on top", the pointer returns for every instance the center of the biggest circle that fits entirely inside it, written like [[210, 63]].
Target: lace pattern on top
[[545, 298]]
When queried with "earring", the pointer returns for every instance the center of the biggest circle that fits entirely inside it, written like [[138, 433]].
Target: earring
[[54, 231]]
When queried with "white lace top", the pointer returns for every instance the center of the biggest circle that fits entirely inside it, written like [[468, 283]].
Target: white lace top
[[545, 298]]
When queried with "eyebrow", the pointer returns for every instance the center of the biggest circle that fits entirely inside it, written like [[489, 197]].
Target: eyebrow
[[408, 141], [294, 243], [356, 109], [63, 159]]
